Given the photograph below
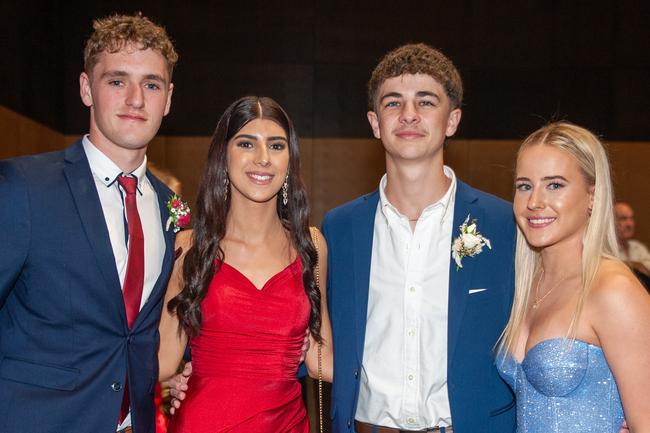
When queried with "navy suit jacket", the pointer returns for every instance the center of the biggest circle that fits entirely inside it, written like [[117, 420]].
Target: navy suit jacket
[[65, 347], [480, 401]]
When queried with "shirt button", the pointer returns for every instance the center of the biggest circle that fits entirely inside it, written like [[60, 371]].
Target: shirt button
[[412, 289], [116, 386], [410, 377], [411, 420], [411, 333]]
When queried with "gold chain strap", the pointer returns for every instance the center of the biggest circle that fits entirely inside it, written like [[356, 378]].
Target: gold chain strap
[[314, 234], [320, 390]]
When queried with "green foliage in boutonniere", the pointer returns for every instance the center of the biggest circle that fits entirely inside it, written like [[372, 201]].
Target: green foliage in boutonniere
[[469, 243], [179, 213]]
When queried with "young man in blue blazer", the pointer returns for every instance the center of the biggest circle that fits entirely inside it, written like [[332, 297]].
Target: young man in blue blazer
[[414, 328], [86, 255]]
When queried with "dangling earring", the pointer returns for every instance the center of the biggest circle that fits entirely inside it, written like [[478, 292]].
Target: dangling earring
[[226, 183], [285, 190]]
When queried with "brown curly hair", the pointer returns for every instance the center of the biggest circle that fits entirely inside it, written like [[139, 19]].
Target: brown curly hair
[[114, 32], [417, 59]]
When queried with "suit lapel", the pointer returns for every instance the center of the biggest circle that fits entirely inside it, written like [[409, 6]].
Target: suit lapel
[[163, 193], [460, 280], [362, 235], [84, 192]]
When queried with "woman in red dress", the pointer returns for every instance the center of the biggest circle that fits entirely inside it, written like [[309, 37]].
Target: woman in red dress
[[243, 289]]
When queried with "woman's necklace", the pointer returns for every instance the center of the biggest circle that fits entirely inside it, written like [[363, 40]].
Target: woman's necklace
[[539, 300]]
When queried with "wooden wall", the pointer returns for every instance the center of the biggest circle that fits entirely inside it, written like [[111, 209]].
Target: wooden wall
[[20, 135], [336, 170]]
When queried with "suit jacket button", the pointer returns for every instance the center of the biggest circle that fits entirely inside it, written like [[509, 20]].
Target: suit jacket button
[[356, 374], [349, 423], [116, 386]]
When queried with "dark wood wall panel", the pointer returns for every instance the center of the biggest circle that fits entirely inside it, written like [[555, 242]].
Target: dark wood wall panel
[[336, 170]]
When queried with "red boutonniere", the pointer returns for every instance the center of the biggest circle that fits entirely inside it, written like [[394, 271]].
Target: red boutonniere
[[179, 213]]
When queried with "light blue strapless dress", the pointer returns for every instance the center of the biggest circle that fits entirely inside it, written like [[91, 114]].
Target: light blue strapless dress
[[563, 386]]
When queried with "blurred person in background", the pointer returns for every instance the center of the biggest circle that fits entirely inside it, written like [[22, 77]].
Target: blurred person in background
[[633, 252]]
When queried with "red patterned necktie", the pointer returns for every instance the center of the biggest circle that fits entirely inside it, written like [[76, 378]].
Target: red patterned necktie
[[134, 278]]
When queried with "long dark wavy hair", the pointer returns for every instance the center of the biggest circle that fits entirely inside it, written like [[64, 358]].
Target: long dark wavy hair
[[205, 256]]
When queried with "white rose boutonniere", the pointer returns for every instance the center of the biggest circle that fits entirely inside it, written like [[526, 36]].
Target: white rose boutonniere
[[469, 243]]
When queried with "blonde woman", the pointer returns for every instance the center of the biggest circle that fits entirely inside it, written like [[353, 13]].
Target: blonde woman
[[576, 350]]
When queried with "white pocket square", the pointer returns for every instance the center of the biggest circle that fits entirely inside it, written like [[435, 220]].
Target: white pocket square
[[472, 291]]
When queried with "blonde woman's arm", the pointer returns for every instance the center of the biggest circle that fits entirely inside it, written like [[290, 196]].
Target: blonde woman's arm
[[619, 308]]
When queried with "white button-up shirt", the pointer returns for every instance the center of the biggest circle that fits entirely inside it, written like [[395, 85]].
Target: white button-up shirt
[[404, 374], [637, 252], [111, 197]]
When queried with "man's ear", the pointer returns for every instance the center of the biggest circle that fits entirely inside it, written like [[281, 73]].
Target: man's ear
[[374, 124], [169, 98], [84, 89], [453, 121]]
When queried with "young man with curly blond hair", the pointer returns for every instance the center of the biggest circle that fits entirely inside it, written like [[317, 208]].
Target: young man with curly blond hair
[[87, 258], [413, 329]]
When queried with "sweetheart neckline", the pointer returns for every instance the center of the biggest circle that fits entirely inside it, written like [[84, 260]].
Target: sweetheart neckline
[[546, 341], [269, 280]]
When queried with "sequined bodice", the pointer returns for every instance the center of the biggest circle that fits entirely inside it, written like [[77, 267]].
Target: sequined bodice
[[563, 386]]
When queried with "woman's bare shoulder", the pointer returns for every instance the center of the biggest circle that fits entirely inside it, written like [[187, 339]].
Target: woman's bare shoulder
[[616, 288], [318, 237]]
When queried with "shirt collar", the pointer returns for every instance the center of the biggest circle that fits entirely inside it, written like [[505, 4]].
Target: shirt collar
[[106, 171], [445, 201]]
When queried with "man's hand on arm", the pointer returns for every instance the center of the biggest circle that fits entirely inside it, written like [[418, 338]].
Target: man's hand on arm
[[305, 346], [178, 386]]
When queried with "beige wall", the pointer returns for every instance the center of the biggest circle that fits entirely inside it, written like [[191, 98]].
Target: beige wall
[[336, 170], [21, 136]]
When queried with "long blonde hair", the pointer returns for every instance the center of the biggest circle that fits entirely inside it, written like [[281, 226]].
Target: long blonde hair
[[599, 240]]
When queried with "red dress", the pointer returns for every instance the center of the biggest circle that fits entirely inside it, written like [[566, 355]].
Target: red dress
[[246, 357]]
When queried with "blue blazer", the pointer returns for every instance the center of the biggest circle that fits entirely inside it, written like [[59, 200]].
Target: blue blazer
[[480, 401], [65, 347]]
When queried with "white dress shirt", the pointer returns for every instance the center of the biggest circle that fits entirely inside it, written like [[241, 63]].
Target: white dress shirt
[[636, 252], [111, 197], [404, 372]]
